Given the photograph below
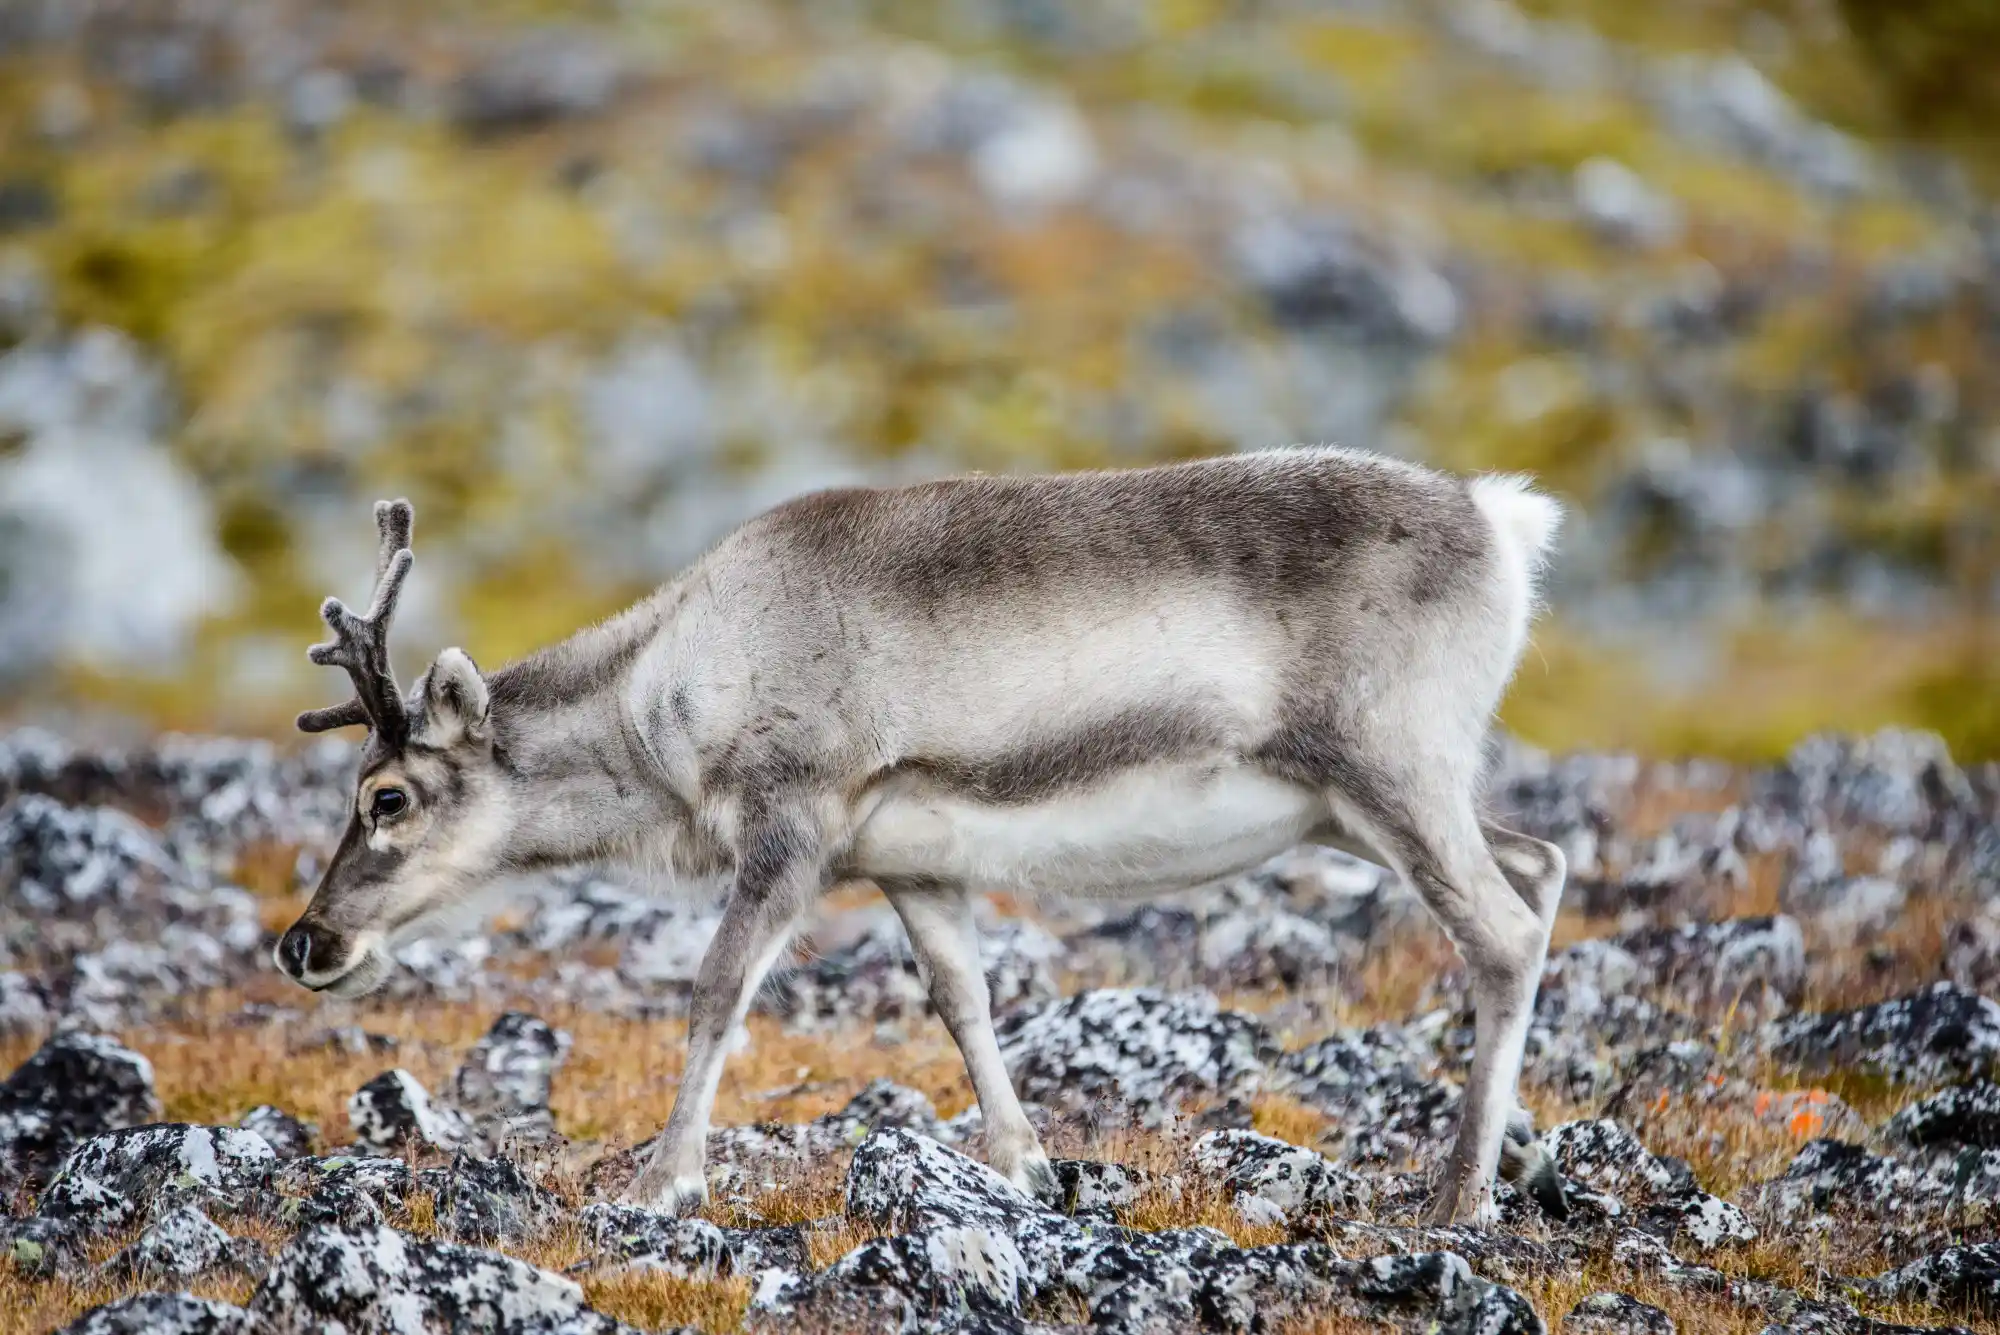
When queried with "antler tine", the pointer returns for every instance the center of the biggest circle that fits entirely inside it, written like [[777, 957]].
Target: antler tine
[[393, 520], [343, 715], [360, 644]]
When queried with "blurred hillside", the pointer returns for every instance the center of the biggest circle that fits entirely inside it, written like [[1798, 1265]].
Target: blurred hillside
[[590, 282]]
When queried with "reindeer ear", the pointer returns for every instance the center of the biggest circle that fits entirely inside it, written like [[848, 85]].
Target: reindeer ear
[[455, 700]]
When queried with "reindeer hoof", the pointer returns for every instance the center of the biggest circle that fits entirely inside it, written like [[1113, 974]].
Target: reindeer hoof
[[1545, 1187], [1459, 1203], [677, 1196], [1529, 1166], [1038, 1178]]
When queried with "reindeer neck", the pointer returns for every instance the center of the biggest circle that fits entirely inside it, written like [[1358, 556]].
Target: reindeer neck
[[564, 735]]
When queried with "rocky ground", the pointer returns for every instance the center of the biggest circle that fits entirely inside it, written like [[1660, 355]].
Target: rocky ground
[[1761, 1060]]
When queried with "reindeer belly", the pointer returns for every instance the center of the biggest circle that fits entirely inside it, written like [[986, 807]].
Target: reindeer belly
[[1145, 830]]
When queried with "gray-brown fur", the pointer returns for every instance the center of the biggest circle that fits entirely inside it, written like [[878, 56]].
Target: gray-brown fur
[[1045, 766], [1118, 682], [1275, 533]]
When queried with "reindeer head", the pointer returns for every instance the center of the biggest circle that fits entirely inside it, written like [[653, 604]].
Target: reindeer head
[[430, 805]]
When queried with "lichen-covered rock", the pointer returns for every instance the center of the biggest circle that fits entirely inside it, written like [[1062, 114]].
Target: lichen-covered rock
[[1662, 1193], [1136, 1051], [586, 1323], [1698, 1220], [1964, 1114], [941, 1269], [904, 1182], [342, 1190], [488, 1201], [1616, 1314], [1831, 1177], [1719, 962], [503, 1085], [1503, 1257], [785, 1301], [1261, 1288], [56, 858], [185, 1244], [687, 1247], [394, 1110], [1895, 780], [1373, 1084], [1604, 1155], [872, 976], [162, 1314], [378, 1280], [288, 1137], [1958, 1278], [75, 1086], [1273, 1180], [24, 1004], [121, 1176], [759, 1149], [41, 1247], [1943, 1030], [1094, 1189], [881, 1103]]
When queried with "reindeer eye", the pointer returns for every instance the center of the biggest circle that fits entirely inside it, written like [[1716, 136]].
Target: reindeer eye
[[389, 802]]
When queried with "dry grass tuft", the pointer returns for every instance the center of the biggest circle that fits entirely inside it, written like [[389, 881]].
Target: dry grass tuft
[[654, 1300]]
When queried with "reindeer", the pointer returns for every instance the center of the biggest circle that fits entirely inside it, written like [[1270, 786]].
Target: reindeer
[[1125, 683]]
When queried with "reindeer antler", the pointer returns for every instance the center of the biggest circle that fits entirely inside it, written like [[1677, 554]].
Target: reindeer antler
[[361, 643]]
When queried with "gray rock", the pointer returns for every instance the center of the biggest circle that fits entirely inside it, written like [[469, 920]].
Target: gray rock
[[1720, 962], [1616, 1314], [1959, 1278], [503, 1085], [1964, 1114], [1257, 1289], [1093, 1189], [1319, 272], [785, 1301], [121, 1176], [394, 1110], [41, 1247], [75, 1086], [1699, 1221], [1605, 1156], [1274, 1181], [1503, 1258], [940, 1269], [24, 1004], [766, 1146], [626, 1234], [1373, 1084], [488, 1201], [342, 1190], [1896, 781], [185, 1244], [288, 1137], [57, 858], [377, 1279], [904, 1182], [1133, 1052], [873, 976], [162, 1314], [1914, 1208], [1940, 1031]]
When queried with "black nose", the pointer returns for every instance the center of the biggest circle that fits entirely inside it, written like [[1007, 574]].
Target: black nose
[[295, 950]]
